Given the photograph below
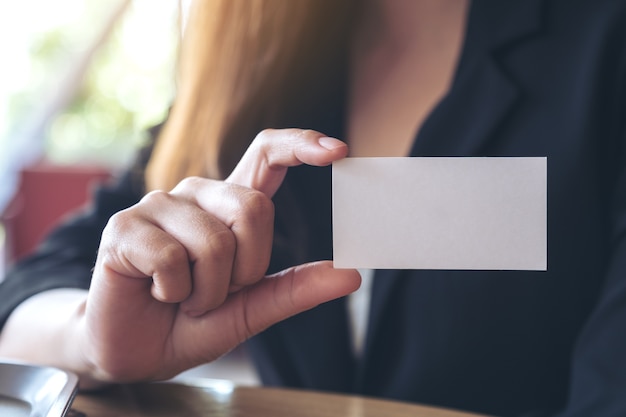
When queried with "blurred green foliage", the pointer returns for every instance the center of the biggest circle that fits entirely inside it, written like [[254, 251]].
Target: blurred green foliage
[[127, 86]]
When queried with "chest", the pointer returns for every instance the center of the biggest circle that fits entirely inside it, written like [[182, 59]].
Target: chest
[[394, 86]]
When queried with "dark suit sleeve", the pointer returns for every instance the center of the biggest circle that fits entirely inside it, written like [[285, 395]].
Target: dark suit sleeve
[[598, 373], [598, 379], [66, 257]]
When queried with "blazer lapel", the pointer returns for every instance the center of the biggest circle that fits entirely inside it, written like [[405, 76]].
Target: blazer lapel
[[463, 123], [482, 94]]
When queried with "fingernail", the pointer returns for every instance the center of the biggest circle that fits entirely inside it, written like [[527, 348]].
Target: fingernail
[[330, 143]]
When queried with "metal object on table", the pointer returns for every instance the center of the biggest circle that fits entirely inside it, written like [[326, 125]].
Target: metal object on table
[[35, 391]]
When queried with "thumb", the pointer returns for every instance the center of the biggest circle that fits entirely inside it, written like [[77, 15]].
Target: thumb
[[285, 294]]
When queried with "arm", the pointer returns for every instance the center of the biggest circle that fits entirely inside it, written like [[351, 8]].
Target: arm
[[178, 280], [598, 370], [598, 376], [44, 329]]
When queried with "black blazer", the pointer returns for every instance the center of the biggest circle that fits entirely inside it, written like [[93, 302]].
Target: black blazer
[[536, 78]]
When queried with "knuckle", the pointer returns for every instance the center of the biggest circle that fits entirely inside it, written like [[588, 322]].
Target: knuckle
[[263, 139], [189, 183], [256, 207], [305, 135], [120, 221], [156, 198], [264, 135], [308, 133], [221, 244], [171, 253], [243, 323]]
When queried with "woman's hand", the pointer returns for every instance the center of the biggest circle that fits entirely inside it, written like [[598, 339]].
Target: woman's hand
[[179, 278]]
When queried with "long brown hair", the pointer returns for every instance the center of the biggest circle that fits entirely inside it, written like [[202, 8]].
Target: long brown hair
[[239, 59]]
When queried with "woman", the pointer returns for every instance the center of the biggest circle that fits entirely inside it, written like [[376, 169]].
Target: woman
[[178, 278]]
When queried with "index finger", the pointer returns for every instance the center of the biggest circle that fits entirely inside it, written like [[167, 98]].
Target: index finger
[[264, 165]]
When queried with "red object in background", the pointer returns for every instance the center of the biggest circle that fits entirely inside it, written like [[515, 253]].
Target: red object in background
[[46, 194]]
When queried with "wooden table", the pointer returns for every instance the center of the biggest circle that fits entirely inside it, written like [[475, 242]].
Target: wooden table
[[218, 398]]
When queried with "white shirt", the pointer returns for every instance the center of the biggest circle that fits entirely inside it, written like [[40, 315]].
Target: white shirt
[[358, 311]]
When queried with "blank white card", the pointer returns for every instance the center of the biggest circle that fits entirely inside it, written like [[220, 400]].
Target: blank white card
[[440, 213]]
